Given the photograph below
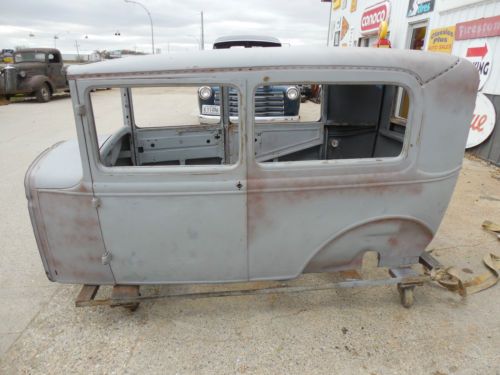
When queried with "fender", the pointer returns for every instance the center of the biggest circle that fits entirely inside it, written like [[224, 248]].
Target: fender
[[397, 240], [35, 82]]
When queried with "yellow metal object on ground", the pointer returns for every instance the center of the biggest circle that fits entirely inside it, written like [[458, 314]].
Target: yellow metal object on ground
[[451, 279], [492, 227]]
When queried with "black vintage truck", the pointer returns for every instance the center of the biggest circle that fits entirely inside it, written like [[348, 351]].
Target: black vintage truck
[[37, 72]]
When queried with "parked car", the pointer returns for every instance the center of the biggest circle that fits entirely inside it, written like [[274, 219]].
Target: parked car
[[37, 72], [273, 103], [243, 201]]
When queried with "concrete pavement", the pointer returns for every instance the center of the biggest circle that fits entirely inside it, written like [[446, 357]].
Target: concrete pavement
[[351, 331]]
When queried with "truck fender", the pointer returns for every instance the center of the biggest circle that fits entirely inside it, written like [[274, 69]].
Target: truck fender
[[37, 81]]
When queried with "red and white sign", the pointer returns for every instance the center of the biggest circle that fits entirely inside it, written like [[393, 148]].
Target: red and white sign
[[373, 15], [483, 121], [480, 28], [478, 53]]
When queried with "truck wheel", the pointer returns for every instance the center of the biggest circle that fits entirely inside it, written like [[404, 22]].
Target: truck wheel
[[43, 94]]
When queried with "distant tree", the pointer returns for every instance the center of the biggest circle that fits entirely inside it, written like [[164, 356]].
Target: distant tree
[[103, 54]]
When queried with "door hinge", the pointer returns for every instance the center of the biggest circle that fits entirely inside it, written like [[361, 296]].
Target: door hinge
[[106, 258], [96, 202], [80, 110]]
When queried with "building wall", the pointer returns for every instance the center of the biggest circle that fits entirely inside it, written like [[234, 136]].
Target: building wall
[[445, 13], [482, 9]]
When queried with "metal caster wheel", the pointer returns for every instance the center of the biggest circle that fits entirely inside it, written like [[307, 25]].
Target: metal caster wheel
[[406, 295]]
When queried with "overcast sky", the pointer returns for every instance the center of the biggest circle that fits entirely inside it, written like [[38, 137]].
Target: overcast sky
[[93, 23]]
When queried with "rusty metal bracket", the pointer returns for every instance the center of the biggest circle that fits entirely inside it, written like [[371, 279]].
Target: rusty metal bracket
[[86, 298], [429, 262], [405, 278]]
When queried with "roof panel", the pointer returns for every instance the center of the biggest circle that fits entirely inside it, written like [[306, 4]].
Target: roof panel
[[247, 38], [425, 65]]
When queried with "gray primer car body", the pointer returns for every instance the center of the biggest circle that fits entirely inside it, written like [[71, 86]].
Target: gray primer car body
[[97, 224]]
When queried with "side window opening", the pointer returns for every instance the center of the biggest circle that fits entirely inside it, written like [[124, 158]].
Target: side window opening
[[54, 58], [167, 125], [352, 121]]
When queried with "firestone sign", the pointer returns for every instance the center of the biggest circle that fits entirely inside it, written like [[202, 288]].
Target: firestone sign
[[373, 16], [480, 28]]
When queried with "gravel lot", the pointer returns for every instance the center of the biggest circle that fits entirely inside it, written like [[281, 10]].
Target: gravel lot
[[350, 331]]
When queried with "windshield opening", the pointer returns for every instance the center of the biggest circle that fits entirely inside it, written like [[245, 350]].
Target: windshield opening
[[245, 44], [29, 57]]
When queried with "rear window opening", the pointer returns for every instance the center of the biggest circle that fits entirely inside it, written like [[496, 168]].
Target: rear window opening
[[337, 121]]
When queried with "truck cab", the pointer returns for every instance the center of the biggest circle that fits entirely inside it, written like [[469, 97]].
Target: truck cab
[[274, 103], [37, 72]]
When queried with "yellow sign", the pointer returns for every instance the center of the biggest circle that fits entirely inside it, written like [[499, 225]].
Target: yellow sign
[[441, 40], [336, 4], [354, 5]]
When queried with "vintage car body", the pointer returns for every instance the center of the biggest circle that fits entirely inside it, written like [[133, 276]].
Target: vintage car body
[[41, 73], [99, 223]]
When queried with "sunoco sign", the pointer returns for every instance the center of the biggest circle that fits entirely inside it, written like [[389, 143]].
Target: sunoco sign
[[373, 16]]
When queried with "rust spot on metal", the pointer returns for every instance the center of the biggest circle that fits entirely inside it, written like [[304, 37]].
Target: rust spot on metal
[[393, 241], [74, 237], [81, 188]]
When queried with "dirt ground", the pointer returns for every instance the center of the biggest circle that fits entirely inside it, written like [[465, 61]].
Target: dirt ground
[[345, 331]]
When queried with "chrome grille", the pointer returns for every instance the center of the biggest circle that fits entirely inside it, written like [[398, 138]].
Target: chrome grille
[[268, 102]]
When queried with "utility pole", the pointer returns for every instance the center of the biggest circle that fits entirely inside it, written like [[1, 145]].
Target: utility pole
[[202, 33], [150, 21], [77, 50]]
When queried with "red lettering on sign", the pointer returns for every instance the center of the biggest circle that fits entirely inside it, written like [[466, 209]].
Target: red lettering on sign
[[478, 122], [480, 28], [374, 15]]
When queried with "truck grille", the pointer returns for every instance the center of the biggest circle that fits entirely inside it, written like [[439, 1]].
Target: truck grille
[[268, 102]]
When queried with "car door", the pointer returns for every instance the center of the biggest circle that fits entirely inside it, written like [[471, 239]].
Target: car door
[[55, 69], [170, 223]]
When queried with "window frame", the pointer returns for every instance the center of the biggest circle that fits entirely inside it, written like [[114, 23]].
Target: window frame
[[396, 77], [104, 172]]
